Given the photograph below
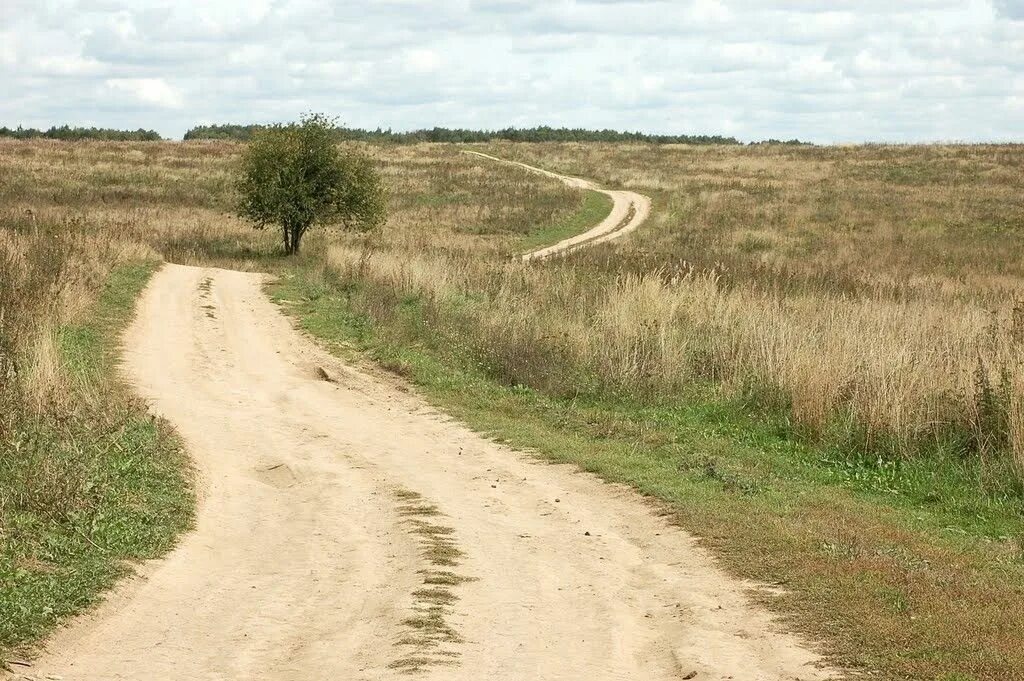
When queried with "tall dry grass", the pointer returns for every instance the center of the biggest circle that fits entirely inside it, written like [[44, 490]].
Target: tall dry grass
[[50, 277], [871, 293], [874, 294], [69, 212]]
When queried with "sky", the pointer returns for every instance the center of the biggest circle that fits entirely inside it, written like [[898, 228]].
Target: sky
[[830, 72]]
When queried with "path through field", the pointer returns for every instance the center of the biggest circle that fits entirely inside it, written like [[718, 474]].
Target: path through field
[[629, 211], [346, 530]]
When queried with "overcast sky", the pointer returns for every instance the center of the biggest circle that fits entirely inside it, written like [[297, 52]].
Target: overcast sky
[[829, 71]]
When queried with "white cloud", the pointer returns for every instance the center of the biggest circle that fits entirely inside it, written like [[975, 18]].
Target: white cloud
[[122, 25], [710, 11], [71, 65], [841, 70], [8, 53], [152, 91], [651, 83], [422, 61]]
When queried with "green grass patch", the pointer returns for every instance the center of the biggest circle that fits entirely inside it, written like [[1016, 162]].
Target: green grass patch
[[89, 491], [594, 207], [904, 570]]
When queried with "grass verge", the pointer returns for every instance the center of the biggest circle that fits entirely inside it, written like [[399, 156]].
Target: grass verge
[[87, 491], [594, 208], [906, 573]]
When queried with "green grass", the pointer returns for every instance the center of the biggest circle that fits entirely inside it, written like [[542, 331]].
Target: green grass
[[87, 493], [907, 571], [594, 207]]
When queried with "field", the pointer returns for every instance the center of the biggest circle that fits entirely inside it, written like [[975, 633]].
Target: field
[[812, 357], [87, 478], [877, 292], [872, 294]]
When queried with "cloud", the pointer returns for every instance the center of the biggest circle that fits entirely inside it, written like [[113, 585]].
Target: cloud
[[1011, 8], [151, 91], [841, 70], [422, 61], [68, 65], [8, 53]]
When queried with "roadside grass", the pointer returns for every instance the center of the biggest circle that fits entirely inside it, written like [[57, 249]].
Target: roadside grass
[[594, 207], [877, 290], [903, 572], [86, 490]]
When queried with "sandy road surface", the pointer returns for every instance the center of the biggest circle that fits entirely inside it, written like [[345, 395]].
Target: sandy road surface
[[629, 211], [348, 531]]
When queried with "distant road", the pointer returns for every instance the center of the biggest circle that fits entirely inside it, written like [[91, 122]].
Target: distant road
[[629, 211]]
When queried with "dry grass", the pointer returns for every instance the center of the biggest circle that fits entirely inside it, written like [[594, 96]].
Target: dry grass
[[429, 639], [71, 212], [873, 293]]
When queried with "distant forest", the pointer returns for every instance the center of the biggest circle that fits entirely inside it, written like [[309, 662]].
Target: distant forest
[[454, 135], [66, 132], [458, 135]]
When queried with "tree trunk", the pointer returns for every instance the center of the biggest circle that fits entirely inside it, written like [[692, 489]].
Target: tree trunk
[[287, 234], [292, 236]]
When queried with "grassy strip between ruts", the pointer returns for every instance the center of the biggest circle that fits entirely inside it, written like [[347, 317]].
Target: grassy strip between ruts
[[892, 583], [86, 493], [594, 208]]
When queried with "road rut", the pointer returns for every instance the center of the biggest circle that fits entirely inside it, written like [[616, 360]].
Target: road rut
[[347, 530]]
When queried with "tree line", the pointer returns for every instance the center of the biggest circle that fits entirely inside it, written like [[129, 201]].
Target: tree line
[[460, 135], [244, 133], [66, 132]]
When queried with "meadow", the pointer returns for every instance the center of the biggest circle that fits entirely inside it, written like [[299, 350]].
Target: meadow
[[812, 357], [873, 295]]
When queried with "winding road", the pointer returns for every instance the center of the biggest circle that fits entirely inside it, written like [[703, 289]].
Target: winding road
[[347, 530], [629, 211]]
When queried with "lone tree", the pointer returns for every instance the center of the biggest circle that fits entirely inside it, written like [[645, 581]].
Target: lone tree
[[294, 176]]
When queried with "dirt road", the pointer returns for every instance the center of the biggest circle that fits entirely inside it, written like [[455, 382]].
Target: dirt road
[[629, 211], [348, 531]]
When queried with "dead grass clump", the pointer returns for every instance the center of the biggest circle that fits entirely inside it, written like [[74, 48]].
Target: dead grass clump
[[430, 636]]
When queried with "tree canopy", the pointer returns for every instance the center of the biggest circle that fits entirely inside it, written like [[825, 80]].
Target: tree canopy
[[295, 176], [68, 133]]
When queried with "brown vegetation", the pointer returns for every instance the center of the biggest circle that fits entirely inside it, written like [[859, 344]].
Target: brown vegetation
[[874, 293]]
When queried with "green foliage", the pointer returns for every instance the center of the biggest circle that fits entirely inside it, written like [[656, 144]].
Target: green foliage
[[541, 133], [294, 176], [67, 133]]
